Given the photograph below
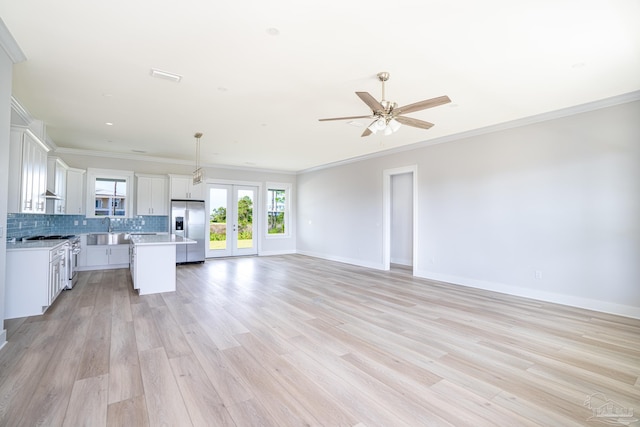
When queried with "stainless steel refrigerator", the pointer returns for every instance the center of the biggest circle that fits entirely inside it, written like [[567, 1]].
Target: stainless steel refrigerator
[[188, 219]]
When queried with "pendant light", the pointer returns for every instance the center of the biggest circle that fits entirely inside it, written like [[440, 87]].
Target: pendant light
[[198, 173]]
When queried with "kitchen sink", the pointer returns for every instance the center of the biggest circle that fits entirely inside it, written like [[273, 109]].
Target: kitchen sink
[[108, 239]]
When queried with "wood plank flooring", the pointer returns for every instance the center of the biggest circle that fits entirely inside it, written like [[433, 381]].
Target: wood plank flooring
[[297, 341]]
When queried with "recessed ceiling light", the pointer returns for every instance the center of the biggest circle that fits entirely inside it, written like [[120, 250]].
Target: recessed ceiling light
[[109, 124], [139, 151], [107, 95], [165, 75], [354, 123], [578, 65], [222, 89], [273, 31]]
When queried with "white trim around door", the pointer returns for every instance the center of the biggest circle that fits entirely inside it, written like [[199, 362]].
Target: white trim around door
[[386, 214]]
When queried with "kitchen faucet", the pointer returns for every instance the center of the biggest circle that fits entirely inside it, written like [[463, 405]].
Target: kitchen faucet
[[108, 219]]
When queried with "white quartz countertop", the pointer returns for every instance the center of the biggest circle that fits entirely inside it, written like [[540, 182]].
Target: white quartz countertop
[[160, 239], [35, 245]]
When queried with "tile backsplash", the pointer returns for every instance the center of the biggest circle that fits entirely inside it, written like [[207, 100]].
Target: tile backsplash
[[24, 225]]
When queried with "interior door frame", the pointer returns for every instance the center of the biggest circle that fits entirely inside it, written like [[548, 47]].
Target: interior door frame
[[387, 174], [258, 211]]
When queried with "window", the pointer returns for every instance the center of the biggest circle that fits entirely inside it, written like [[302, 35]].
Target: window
[[109, 193], [278, 209], [110, 197]]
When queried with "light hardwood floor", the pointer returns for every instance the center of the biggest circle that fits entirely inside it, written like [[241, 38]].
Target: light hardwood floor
[[296, 341]]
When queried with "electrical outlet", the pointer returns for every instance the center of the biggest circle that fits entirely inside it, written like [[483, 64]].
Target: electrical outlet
[[19, 224], [538, 274], [75, 222], [84, 222]]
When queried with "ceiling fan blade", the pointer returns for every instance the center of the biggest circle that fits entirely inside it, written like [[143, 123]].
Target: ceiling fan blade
[[370, 101], [422, 105], [414, 122], [366, 132], [346, 118]]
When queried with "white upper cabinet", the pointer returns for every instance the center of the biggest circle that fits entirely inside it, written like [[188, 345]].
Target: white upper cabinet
[[56, 185], [151, 195], [27, 172], [75, 194], [182, 188]]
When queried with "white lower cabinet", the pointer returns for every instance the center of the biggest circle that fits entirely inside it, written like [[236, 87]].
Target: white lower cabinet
[[34, 279], [132, 265], [106, 256]]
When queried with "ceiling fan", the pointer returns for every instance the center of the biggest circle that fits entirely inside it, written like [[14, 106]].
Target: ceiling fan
[[387, 116]]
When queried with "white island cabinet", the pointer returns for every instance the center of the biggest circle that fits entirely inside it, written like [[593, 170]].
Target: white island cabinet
[[153, 262]]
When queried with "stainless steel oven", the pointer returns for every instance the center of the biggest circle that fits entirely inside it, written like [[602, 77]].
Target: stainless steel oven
[[72, 261]]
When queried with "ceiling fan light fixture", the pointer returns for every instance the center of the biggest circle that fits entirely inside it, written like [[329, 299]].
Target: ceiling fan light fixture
[[385, 112], [394, 125]]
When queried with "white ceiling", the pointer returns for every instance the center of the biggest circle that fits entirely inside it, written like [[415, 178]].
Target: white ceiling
[[257, 97]]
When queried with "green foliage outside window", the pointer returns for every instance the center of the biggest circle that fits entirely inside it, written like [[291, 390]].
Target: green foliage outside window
[[275, 211]]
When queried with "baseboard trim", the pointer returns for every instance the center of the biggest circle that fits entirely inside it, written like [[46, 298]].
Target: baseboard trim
[[274, 253], [569, 300], [359, 263]]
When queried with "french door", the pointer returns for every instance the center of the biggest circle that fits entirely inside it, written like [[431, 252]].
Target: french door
[[232, 229]]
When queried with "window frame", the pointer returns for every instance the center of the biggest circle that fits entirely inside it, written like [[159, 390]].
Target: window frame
[[110, 174], [278, 186]]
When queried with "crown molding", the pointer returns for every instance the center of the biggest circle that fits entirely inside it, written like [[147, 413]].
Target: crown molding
[[551, 115], [19, 115], [139, 157], [9, 45], [125, 156]]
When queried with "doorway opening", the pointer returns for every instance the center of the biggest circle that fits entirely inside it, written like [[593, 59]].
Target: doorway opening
[[400, 214]]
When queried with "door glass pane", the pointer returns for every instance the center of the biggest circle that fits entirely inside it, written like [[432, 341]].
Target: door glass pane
[[245, 219], [218, 219]]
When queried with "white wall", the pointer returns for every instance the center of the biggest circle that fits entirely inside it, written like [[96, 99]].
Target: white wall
[[9, 54], [266, 246], [560, 197]]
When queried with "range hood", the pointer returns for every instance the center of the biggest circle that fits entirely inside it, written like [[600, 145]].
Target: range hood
[[51, 195]]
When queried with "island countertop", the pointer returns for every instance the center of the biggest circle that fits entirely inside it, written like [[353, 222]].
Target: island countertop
[[160, 239]]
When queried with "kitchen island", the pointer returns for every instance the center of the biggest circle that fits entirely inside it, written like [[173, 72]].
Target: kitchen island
[[153, 262]]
